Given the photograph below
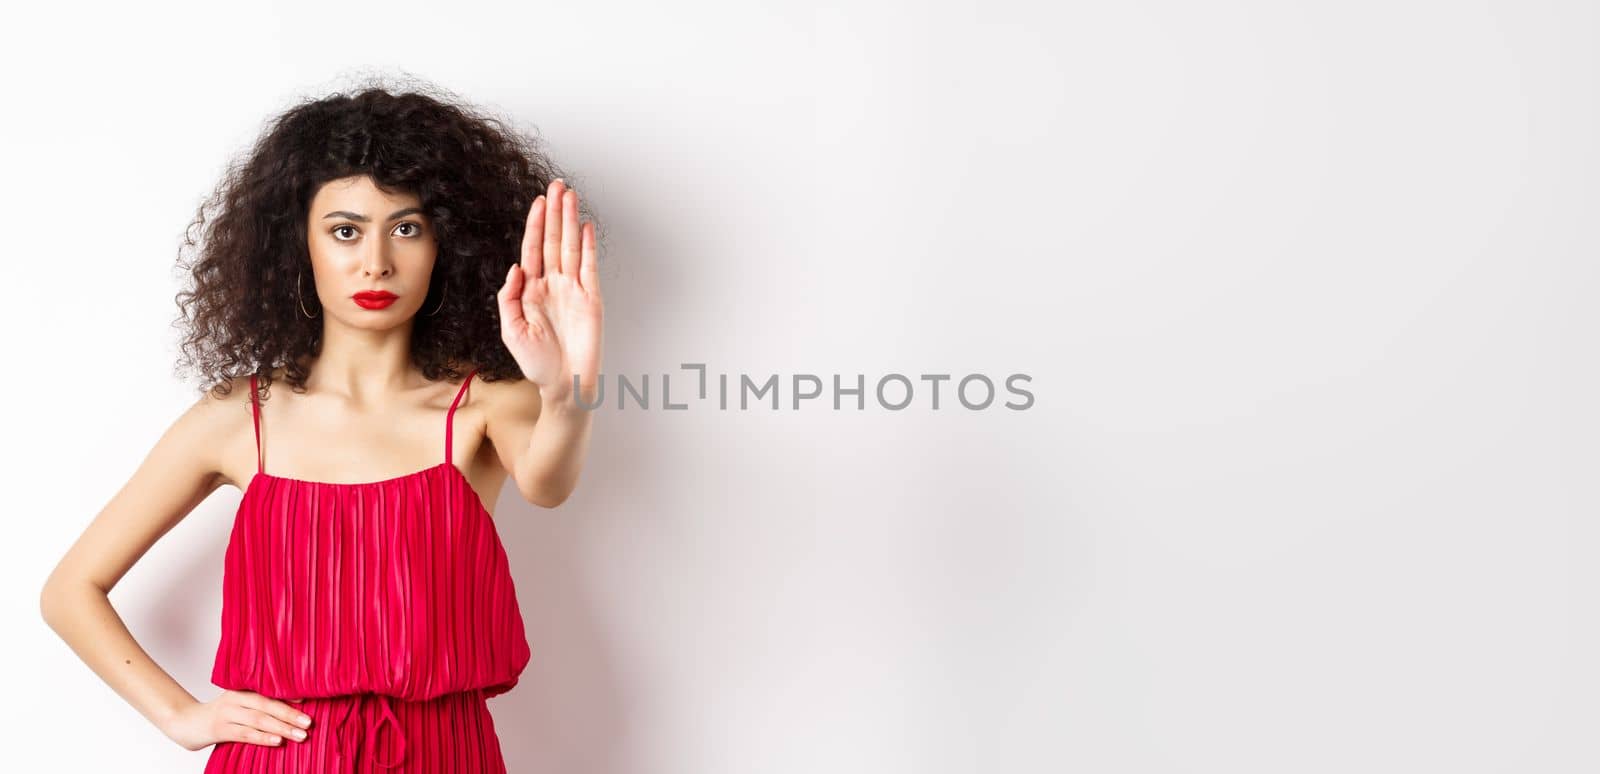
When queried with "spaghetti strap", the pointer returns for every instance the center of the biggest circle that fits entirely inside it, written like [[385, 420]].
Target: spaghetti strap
[[255, 416], [449, 417]]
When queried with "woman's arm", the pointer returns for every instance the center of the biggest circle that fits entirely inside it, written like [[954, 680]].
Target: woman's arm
[[544, 440], [180, 471], [551, 320]]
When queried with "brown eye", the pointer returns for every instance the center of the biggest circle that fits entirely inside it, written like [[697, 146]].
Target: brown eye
[[417, 229], [337, 229]]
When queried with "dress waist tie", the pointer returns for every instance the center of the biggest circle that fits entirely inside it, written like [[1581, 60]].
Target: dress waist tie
[[352, 741]]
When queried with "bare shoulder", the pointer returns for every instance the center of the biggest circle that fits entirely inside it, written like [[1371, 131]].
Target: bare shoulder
[[218, 427], [506, 400]]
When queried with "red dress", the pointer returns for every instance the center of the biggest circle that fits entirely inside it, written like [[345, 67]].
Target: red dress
[[387, 606]]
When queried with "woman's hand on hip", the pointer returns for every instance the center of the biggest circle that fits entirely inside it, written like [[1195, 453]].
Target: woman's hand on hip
[[237, 716]]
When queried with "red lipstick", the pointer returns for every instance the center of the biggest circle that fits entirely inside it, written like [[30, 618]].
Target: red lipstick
[[374, 299]]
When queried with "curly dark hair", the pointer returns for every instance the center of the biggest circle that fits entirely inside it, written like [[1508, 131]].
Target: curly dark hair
[[475, 174]]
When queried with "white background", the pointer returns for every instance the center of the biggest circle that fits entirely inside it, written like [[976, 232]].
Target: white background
[[1305, 290]]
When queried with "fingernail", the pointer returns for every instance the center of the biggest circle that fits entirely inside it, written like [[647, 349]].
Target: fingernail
[[304, 721], [300, 736]]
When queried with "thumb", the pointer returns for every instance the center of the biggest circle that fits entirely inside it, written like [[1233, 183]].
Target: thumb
[[510, 299]]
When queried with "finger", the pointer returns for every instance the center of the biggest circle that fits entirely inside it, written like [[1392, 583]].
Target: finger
[[552, 227], [570, 235], [239, 714], [588, 277], [510, 300], [239, 733], [274, 708], [262, 721], [533, 238], [288, 714]]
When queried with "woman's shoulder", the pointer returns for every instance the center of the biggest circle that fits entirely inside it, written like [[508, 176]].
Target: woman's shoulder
[[210, 429], [501, 400], [222, 407], [225, 407]]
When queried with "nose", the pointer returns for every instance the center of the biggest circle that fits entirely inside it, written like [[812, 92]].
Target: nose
[[376, 263]]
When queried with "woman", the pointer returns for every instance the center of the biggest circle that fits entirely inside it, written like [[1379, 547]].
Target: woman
[[367, 610]]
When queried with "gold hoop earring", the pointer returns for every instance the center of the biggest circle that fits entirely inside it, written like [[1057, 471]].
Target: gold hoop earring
[[301, 301], [442, 289]]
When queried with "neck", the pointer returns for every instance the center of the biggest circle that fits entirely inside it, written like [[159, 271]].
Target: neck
[[360, 364]]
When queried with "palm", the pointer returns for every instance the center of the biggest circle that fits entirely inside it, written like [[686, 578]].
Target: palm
[[550, 311]]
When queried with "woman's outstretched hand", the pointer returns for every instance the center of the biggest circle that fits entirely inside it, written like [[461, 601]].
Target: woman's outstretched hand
[[550, 311], [237, 716]]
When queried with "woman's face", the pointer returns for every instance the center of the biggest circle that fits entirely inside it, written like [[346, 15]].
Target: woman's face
[[362, 240]]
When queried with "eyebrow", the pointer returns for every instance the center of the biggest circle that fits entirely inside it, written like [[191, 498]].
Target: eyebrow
[[356, 216]]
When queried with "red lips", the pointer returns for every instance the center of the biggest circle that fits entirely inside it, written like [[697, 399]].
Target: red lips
[[374, 299]]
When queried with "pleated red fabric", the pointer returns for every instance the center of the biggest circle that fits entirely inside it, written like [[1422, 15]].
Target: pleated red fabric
[[371, 733], [387, 605]]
